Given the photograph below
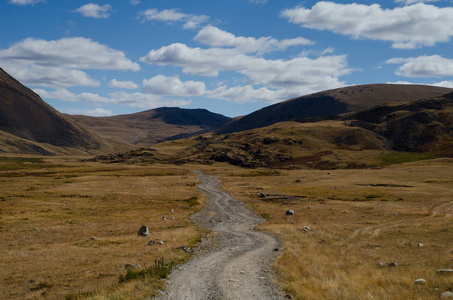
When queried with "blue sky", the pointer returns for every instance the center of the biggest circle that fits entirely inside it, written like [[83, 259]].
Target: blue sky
[[231, 57]]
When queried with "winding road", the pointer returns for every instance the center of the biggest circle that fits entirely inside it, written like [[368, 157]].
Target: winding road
[[238, 266]]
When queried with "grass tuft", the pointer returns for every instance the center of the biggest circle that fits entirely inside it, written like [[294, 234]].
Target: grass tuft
[[160, 270]]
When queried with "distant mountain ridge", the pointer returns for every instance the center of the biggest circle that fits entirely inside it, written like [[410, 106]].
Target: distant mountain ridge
[[332, 102], [153, 126]]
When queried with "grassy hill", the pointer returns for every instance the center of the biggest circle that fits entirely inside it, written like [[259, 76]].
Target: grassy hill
[[332, 102], [29, 125]]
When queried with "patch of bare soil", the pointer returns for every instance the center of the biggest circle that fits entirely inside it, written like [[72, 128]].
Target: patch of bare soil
[[238, 267]]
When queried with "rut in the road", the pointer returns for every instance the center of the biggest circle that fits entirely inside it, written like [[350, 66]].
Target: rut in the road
[[238, 267]]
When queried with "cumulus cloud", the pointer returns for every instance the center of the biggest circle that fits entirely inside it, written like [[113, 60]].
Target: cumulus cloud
[[407, 27], [244, 94], [26, 2], [445, 83], [189, 21], [92, 10], [423, 66], [135, 2], [122, 84], [136, 100], [215, 37], [98, 112], [293, 73], [59, 63], [162, 85]]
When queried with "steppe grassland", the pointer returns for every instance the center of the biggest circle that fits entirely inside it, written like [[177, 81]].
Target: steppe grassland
[[361, 221], [69, 227]]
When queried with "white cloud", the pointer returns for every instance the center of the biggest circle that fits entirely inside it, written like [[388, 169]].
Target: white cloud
[[424, 66], [213, 36], [293, 73], [445, 83], [98, 112], [262, 2], [60, 94], [135, 2], [145, 101], [58, 63], [136, 100], [244, 94], [92, 10], [172, 15], [162, 85], [407, 27], [122, 84], [26, 2], [409, 2]]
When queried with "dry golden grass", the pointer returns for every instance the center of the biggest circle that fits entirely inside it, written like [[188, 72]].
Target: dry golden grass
[[358, 219], [70, 203]]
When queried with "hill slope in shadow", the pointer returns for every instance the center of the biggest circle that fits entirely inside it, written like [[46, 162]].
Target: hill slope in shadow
[[332, 102]]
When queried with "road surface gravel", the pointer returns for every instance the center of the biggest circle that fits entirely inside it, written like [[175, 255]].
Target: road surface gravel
[[238, 266]]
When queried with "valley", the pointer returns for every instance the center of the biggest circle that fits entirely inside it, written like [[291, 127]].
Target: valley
[[368, 182]]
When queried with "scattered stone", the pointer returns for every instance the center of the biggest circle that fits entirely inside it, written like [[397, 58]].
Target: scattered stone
[[298, 181], [420, 281], [382, 264], [130, 266], [306, 228], [160, 242], [420, 245], [261, 195], [321, 241], [172, 218], [93, 238], [36, 229], [445, 271], [446, 294], [309, 207], [164, 218], [186, 249], [292, 222], [394, 264], [143, 231], [290, 212], [289, 297], [172, 211], [151, 242], [276, 249]]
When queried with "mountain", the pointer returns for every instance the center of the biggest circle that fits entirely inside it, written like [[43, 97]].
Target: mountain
[[29, 125], [351, 140], [332, 102], [419, 125], [153, 126]]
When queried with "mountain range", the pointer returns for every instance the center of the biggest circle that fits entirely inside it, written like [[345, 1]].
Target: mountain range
[[374, 116]]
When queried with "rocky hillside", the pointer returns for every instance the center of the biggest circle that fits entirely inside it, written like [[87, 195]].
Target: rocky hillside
[[332, 102], [29, 125], [153, 126], [422, 125]]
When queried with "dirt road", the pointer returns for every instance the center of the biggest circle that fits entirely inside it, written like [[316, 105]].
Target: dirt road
[[238, 266]]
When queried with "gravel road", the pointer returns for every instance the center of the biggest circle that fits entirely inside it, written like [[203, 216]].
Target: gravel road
[[238, 266]]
